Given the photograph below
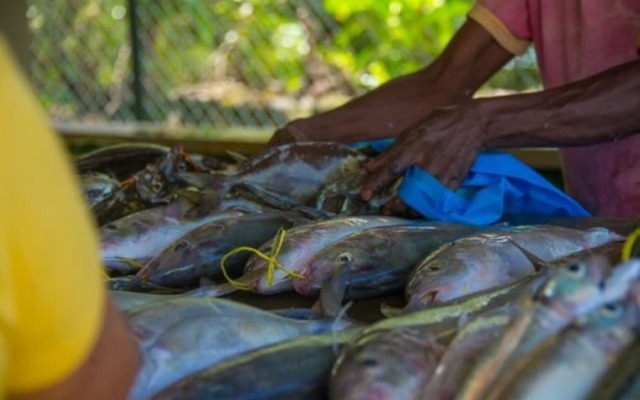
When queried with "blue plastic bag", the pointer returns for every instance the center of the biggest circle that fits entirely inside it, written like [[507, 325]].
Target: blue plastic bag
[[497, 184]]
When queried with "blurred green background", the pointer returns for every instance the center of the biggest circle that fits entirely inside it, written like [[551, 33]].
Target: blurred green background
[[224, 64]]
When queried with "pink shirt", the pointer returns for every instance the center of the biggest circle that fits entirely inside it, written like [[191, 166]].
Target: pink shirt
[[575, 39]]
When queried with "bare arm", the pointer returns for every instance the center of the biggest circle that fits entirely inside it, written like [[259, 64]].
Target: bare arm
[[108, 372], [468, 61], [602, 108]]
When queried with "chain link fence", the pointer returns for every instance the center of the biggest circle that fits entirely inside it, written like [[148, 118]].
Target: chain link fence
[[233, 63]]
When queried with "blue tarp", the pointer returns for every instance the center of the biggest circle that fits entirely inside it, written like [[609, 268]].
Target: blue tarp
[[498, 184]]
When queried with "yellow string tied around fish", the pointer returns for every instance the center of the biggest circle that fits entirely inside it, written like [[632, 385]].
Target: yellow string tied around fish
[[271, 259], [628, 245]]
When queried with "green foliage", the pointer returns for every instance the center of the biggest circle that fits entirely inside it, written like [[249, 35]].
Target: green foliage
[[255, 50]]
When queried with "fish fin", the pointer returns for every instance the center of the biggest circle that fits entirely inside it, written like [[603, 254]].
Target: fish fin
[[538, 263], [177, 209], [336, 325], [313, 213], [389, 311], [237, 157], [265, 196], [211, 290], [332, 293]]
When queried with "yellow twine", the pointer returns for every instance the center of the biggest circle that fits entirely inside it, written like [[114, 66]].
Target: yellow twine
[[130, 261], [272, 260], [134, 263], [628, 245]]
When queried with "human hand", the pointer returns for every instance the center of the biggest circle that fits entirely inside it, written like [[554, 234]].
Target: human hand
[[445, 144]]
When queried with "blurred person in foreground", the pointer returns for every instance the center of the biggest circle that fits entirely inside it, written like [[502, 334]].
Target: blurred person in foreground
[[588, 56], [60, 337]]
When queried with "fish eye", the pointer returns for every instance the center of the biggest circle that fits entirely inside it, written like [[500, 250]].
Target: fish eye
[[182, 166], [181, 246], [612, 310], [345, 258], [576, 270], [146, 176]]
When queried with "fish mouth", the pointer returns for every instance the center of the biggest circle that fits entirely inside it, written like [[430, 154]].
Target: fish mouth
[[302, 286], [429, 298]]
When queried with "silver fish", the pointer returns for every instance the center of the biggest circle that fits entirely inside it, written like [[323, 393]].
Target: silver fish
[[464, 351], [577, 291], [181, 336], [300, 245], [130, 242], [198, 253], [570, 366], [490, 259], [386, 364], [295, 369], [375, 261]]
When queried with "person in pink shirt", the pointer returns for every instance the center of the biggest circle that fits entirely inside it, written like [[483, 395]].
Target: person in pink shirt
[[588, 54]]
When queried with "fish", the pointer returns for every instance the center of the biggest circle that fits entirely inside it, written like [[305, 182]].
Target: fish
[[578, 290], [446, 314], [155, 183], [622, 380], [129, 243], [129, 283], [385, 364], [342, 196], [198, 253], [287, 175], [621, 226], [376, 261], [294, 369], [98, 188], [300, 245], [632, 391], [570, 365], [465, 349], [121, 160], [489, 259], [128, 300], [181, 336]]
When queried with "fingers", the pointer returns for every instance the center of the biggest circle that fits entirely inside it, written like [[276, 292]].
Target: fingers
[[456, 171], [395, 207], [388, 166], [384, 176]]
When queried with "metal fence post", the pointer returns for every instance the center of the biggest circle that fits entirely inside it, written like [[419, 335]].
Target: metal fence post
[[137, 64]]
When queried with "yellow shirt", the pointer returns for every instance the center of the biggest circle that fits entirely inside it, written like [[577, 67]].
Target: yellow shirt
[[52, 297]]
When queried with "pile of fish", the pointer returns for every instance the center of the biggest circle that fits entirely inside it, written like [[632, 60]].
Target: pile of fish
[[531, 311]]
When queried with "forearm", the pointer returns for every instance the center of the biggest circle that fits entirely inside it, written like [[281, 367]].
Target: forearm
[[602, 108], [108, 372], [469, 60]]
